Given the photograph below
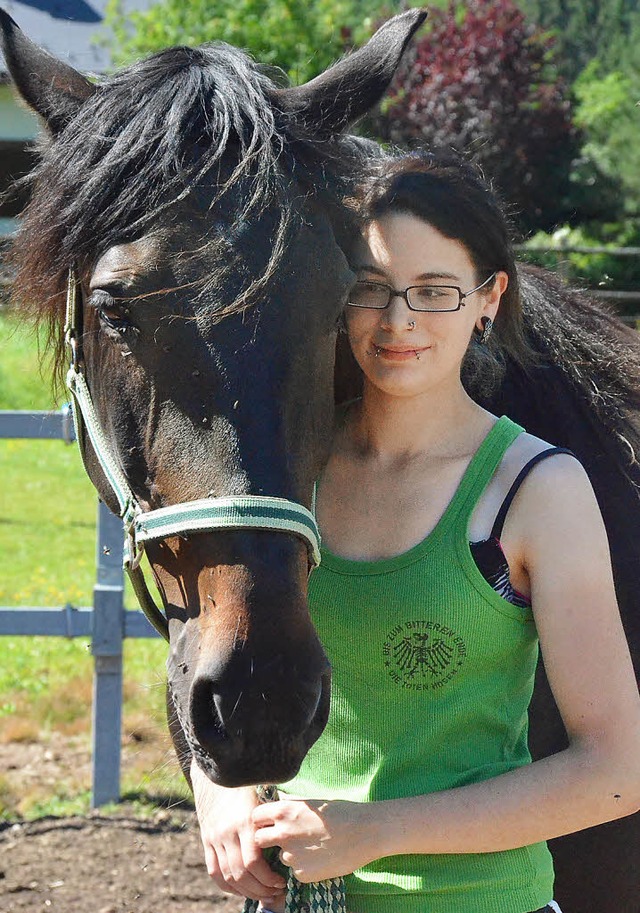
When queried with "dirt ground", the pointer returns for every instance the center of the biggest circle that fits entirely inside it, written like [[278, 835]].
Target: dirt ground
[[95, 863], [107, 865]]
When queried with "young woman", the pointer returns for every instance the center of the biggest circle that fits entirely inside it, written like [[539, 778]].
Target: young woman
[[454, 544]]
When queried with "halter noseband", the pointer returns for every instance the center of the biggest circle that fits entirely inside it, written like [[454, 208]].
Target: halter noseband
[[204, 515]]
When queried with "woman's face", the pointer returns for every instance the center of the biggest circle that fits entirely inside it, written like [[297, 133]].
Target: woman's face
[[401, 250]]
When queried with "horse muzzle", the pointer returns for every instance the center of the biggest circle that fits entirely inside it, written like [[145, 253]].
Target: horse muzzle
[[250, 688]]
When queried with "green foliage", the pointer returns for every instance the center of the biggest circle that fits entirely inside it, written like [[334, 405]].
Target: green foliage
[[586, 29], [482, 80], [609, 116], [603, 270], [299, 37], [598, 50], [59, 805]]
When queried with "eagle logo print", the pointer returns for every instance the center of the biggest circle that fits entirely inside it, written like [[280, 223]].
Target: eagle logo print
[[423, 655]]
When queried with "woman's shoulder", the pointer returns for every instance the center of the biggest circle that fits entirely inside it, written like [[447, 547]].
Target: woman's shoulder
[[546, 460], [553, 490]]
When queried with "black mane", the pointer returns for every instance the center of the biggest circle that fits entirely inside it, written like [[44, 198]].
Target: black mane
[[143, 141]]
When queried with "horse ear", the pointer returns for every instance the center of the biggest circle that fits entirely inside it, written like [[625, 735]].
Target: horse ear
[[53, 89], [348, 89]]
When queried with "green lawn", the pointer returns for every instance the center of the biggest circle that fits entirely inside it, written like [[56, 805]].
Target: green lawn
[[47, 505], [47, 558]]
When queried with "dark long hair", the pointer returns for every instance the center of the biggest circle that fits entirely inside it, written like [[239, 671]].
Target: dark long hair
[[147, 138], [451, 195]]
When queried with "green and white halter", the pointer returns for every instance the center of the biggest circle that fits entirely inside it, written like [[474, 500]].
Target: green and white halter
[[204, 515]]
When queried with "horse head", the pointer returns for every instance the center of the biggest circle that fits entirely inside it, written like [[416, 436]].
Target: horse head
[[196, 206]]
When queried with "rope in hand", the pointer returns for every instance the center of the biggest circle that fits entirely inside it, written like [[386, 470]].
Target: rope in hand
[[318, 897]]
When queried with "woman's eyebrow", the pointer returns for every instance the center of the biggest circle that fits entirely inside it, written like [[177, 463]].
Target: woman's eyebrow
[[423, 277], [440, 274]]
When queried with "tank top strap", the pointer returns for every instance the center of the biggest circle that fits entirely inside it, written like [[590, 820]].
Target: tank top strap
[[481, 469], [501, 516]]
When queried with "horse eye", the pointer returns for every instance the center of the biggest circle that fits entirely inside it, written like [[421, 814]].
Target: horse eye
[[110, 313]]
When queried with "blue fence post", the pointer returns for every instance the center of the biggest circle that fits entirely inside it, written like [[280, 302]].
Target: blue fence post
[[106, 647], [106, 622]]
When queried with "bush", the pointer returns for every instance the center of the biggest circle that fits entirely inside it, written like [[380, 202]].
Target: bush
[[301, 39], [608, 114], [482, 81]]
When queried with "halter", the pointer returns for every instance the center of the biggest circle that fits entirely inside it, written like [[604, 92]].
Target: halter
[[204, 515]]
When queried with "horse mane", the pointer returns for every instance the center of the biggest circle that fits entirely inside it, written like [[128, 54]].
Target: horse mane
[[599, 354], [143, 141], [583, 389]]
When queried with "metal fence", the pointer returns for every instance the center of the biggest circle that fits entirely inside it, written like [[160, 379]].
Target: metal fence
[[615, 297], [106, 622]]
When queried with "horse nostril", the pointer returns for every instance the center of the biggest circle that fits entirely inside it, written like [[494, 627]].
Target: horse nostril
[[207, 714]]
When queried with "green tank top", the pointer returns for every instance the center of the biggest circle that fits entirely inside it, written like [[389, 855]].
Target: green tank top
[[432, 678]]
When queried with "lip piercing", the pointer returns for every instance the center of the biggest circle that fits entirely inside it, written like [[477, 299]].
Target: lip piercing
[[411, 325]]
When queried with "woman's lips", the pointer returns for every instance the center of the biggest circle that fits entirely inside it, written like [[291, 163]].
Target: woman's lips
[[404, 354]]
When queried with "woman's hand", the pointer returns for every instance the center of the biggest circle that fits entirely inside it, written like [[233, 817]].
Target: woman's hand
[[233, 859], [318, 839]]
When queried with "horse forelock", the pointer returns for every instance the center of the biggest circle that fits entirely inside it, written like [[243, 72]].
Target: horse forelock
[[146, 140]]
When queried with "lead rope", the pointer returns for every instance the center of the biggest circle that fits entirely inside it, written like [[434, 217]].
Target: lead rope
[[318, 897]]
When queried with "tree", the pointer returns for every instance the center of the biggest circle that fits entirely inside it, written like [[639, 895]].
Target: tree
[[483, 82], [599, 48], [587, 29], [299, 37]]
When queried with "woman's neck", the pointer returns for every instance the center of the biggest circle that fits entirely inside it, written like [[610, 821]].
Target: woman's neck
[[398, 429]]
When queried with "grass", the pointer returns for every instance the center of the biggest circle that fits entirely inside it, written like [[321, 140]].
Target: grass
[[47, 558]]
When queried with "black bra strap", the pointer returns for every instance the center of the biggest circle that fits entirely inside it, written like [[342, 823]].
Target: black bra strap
[[496, 532]]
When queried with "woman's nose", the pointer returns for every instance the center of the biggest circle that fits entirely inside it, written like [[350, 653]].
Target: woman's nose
[[397, 313]]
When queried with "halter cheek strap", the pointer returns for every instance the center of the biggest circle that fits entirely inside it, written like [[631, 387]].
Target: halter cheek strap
[[204, 515]]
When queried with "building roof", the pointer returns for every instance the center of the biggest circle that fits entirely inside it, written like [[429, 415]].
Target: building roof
[[70, 29]]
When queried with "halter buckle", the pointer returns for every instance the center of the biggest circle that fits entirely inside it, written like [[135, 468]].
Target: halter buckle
[[134, 549], [72, 342]]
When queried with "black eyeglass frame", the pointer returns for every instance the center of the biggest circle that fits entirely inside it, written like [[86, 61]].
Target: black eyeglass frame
[[404, 294]]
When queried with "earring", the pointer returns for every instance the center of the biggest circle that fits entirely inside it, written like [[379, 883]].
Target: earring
[[485, 332], [411, 325]]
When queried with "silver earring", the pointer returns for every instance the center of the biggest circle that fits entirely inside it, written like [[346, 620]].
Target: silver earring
[[485, 332], [411, 325]]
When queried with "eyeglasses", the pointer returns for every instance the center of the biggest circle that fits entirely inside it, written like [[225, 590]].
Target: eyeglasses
[[431, 298]]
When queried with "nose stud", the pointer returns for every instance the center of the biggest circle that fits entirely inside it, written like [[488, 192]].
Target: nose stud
[[411, 325]]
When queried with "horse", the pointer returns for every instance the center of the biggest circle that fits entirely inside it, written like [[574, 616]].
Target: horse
[[198, 212]]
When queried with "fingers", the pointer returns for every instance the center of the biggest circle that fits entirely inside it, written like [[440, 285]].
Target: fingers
[[277, 823], [237, 866], [244, 871], [233, 860]]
